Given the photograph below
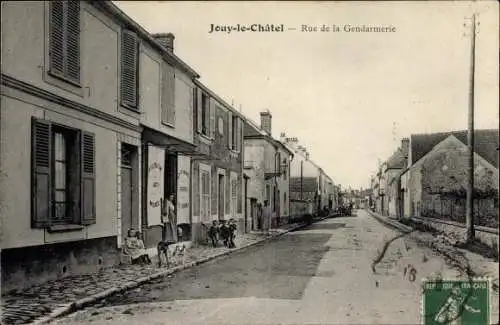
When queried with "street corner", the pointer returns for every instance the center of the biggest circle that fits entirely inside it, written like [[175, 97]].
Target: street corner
[[465, 301]]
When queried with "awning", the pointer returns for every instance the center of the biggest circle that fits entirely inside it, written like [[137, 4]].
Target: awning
[[170, 143]]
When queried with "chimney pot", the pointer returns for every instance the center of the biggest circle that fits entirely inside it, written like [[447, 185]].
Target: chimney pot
[[166, 40]]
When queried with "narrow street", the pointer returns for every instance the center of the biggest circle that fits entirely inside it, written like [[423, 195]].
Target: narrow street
[[321, 274]]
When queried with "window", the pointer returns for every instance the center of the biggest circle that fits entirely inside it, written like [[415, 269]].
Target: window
[[205, 195], [168, 94], [63, 190], [64, 40], [129, 65], [205, 114], [234, 197]]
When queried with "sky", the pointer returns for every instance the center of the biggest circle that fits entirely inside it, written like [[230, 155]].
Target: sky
[[348, 97]]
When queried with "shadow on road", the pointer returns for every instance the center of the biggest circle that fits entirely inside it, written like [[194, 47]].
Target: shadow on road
[[279, 269], [325, 226]]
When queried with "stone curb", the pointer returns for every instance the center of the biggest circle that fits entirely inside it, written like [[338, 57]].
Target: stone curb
[[81, 303], [389, 222]]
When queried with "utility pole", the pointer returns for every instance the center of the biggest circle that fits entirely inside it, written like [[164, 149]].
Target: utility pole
[[470, 234], [301, 174]]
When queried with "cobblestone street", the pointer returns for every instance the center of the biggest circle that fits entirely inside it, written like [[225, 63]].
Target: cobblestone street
[[28, 305]]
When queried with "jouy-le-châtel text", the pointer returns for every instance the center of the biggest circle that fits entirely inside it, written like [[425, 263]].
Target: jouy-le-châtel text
[[246, 28]]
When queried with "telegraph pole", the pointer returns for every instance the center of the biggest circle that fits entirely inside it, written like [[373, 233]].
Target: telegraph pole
[[470, 234]]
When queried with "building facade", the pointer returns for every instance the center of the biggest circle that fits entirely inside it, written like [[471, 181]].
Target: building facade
[[309, 184], [66, 134], [267, 164], [435, 181], [218, 165]]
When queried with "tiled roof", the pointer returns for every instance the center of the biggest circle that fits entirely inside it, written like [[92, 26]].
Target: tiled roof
[[485, 143], [397, 160]]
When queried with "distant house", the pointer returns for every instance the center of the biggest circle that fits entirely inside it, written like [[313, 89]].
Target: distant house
[[308, 182], [435, 181], [267, 164], [394, 166]]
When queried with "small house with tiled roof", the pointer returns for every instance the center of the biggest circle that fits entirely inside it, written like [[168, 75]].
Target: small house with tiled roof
[[435, 180]]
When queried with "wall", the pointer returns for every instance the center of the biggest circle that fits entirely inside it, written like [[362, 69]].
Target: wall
[[254, 158], [489, 237], [222, 161], [444, 182], [16, 164], [25, 26], [150, 93], [391, 197]]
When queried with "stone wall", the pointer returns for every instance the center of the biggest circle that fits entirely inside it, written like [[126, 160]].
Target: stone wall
[[488, 236]]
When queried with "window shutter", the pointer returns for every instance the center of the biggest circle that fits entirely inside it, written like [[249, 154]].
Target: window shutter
[[129, 69], [199, 107], [73, 41], [230, 129], [168, 94], [56, 47], [212, 118], [41, 195], [88, 178], [238, 134]]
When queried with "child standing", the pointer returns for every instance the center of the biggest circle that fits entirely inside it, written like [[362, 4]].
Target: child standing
[[224, 232], [232, 233], [213, 233]]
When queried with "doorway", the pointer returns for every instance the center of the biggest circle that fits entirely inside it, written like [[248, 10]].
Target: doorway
[[221, 197], [127, 189]]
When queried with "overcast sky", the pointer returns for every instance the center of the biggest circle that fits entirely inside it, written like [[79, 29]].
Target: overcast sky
[[348, 97]]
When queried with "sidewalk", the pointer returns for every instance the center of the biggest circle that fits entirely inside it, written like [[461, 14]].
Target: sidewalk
[[40, 304], [462, 258]]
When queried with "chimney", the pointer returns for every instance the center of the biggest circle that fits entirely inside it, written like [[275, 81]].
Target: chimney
[[405, 146], [166, 40], [265, 121], [283, 138]]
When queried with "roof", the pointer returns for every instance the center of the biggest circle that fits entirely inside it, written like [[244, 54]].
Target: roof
[[118, 14], [254, 131], [218, 98], [485, 143], [396, 161]]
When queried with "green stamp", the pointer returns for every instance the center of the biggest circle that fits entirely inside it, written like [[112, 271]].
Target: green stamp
[[456, 302]]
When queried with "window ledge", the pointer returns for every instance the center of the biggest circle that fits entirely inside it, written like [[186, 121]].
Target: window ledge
[[204, 138], [129, 111], [65, 228], [167, 124]]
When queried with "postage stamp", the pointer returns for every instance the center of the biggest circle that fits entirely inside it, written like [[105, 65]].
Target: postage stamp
[[456, 302]]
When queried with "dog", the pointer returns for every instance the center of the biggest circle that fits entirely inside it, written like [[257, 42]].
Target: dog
[[163, 248]]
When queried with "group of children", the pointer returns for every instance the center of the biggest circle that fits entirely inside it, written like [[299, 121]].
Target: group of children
[[224, 231]]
